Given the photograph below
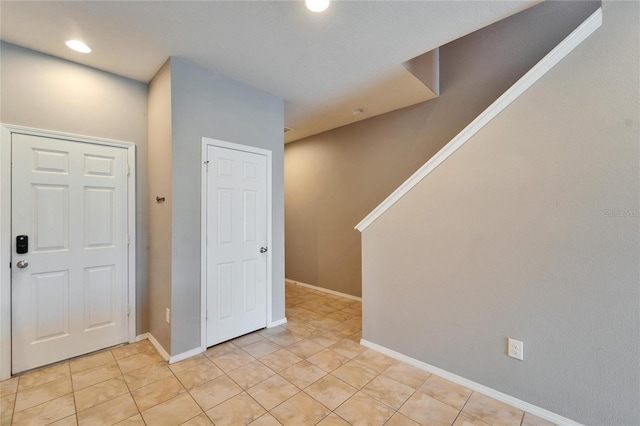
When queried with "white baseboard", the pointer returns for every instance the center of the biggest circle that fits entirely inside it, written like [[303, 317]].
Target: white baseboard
[[185, 355], [277, 323], [324, 290], [469, 384], [158, 347], [164, 354], [141, 337]]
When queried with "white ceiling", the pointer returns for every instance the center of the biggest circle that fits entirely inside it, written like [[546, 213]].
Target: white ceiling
[[322, 65]]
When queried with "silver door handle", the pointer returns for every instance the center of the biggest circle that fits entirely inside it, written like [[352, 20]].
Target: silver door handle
[[22, 264], [263, 249]]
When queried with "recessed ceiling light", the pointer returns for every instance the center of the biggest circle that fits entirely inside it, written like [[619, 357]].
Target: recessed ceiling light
[[78, 46], [317, 5], [357, 111]]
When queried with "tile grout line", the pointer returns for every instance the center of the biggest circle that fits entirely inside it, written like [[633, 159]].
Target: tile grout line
[[314, 320]]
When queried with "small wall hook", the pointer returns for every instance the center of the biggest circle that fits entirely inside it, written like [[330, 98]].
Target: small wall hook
[[159, 200]]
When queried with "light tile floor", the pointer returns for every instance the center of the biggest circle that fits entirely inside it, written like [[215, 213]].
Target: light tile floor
[[310, 371]]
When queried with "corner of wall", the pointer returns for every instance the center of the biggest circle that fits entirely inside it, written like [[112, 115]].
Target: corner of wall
[[159, 157]]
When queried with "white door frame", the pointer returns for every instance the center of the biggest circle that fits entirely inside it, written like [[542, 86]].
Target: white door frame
[[5, 229], [207, 142]]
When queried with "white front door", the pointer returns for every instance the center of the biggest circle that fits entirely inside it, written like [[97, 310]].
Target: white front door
[[236, 239], [69, 287]]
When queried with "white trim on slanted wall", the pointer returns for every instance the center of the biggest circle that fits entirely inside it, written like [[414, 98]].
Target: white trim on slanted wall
[[469, 384], [541, 68], [5, 229], [322, 289]]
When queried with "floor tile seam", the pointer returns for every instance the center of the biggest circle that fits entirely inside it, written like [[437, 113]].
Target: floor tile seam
[[286, 346], [199, 384], [342, 418], [456, 419], [93, 367], [75, 405], [38, 386], [312, 397], [522, 419], [360, 391], [366, 384], [232, 396], [96, 383], [13, 405], [262, 356], [245, 391], [469, 414], [448, 404], [107, 400], [277, 372], [129, 386], [382, 402], [282, 402], [173, 397], [256, 384], [200, 362], [184, 390], [13, 413], [188, 420], [411, 418], [18, 390], [150, 350], [227, 372], [416, 388], [203, 409], [15, 401]]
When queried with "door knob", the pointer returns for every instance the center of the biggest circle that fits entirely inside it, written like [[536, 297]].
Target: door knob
[[263, 249], [22, 264]]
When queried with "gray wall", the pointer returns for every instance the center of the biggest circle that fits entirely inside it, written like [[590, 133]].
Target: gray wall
[[160, 173], [48, 93], [530, 231], [333, 180], [206, 104]]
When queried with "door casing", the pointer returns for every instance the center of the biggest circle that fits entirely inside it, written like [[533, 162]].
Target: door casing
[[206, 142], [6, 130]]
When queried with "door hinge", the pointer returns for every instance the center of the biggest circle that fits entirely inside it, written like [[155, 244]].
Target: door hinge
[[206, 164], [128, 310], [128, 170], [128, 240]]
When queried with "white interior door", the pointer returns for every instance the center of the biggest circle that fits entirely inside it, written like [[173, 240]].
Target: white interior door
[[69, 290], [236, 280]]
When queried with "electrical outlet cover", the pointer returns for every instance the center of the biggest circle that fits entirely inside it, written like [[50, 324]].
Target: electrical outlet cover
[[515, 349]]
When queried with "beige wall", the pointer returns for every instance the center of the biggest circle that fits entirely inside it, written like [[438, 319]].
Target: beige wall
[[44, 92], [531, 231], [160, 173], [333, 180]]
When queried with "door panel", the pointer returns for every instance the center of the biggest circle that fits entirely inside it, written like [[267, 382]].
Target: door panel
[[100, 289], [99, 227], [51, 213], [51, 298], [70, 198], [236, 230]]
